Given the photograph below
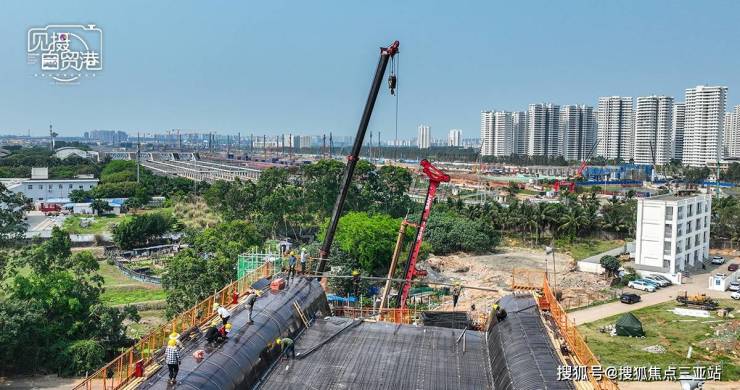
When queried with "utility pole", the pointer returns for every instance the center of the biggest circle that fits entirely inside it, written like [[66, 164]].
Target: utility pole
[[331, 146], [323, 145], [51, 138], [138, 157], [264, 145]]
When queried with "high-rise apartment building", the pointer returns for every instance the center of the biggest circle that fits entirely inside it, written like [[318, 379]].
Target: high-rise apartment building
[[678, 124], [705, 111], [486, 133], [615, 127], [732, 133], [496, 133], [424, 140], [454, 138], [577, 131], [653, 130], [519, 133], [543, 130]]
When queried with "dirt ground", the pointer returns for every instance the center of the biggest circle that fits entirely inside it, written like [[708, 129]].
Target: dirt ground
[[37, 382], [495, 270]]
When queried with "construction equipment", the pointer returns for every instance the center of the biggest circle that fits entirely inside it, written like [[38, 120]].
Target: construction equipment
[[386, 53], [571, 184], [394, 262], [701, 301], [435, 176]]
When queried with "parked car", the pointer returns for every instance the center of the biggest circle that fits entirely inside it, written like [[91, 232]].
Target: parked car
[[734, 286], [661, 277], [718, 260], [650, 282], [661, 283], [732, 267], [629, 298], [735, 295], [640, 285]]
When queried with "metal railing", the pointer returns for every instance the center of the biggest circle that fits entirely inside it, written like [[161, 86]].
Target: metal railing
[[573, 338], [118, 372], [394, 315]]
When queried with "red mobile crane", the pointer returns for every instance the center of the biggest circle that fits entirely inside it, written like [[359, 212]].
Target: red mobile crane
[[435, 176], [569, 184]]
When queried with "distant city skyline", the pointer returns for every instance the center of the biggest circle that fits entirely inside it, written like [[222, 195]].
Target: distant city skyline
[[304, 68]]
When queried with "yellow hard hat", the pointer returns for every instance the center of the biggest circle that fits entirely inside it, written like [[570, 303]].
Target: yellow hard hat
[[355, 273], [278, 341], [228, 326], [215, 322], [171, 342], [216, 306], [259, 293], [174, 335]]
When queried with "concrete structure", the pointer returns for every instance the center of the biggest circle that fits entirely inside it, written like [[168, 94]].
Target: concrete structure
[[705, 109], [454, 138], [424, 140], [66, 152], [672, 233], [721, 281], [615, 128], [653, 130], [520, 137], [678, 125], [208, 171], [543, 130], [731, 133], [577, 131]]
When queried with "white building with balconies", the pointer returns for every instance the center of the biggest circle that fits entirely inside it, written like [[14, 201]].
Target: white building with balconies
[[672, 234]]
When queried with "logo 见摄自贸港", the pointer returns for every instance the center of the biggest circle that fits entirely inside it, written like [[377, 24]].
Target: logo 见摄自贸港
[[65, 53]]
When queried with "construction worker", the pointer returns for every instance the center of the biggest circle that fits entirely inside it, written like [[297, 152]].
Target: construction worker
[[223, 332], [286, 346], [212, 332], [456, 290], [223, 312], [291, 264], [304, 257], [172, 359], [356, 279], [500, 312], [249, 302], [176, 336]]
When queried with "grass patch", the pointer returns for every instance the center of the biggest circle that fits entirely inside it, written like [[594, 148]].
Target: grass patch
[[101, 224], [150, 320], [126, 296], [664, 328], [582, 248]]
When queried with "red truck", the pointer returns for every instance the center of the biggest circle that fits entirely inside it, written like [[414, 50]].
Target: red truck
[[48, 208]]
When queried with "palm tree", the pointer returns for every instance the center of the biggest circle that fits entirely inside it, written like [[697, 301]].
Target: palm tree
[[571, 221]]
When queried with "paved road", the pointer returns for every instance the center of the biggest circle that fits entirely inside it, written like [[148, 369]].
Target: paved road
[[697, 284]]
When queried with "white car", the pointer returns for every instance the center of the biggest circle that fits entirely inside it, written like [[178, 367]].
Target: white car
[[735, 295], [719, 260], [661, 282], [639, 285], [734, 286]]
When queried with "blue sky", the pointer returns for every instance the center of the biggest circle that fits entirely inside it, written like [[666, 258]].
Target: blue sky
[[305, 66]]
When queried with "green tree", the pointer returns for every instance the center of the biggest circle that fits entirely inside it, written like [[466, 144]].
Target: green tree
[[100, 206], [208, 264], [611, 264], [368, 238], [79, 196], [12, 207], [448, 232], [141, 230]]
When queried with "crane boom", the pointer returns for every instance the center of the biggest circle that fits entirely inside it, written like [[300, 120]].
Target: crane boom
[[386, 53], [436, 176]]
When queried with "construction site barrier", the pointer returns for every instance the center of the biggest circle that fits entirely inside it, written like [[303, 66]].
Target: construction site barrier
[[394, 315], [573, 337], [118, 372], [527, 279]]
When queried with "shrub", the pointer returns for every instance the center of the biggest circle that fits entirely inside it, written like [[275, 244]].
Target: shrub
[[83, 356]]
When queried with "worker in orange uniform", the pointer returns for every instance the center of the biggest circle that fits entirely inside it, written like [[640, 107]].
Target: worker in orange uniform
[[356, 279], [172, 359]]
